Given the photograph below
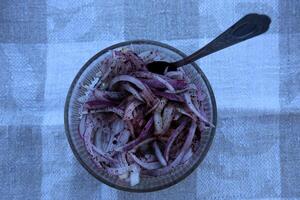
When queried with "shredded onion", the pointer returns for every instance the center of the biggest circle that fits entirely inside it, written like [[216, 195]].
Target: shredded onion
[[134, 122]]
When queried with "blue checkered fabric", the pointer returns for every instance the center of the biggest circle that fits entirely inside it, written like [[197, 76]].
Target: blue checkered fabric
[[44, 43]]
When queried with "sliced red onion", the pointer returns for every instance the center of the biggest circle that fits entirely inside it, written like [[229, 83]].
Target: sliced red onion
[[192, 107], [165, 170], [127, 78], [150, 158], [123, 159], [140, 138], [175, 74], [95, 152], [111, 144], [172, 138], [128, 115], [201, 125], [117, 126], [99, 152], [123, 138], [145, 91], [102, 137], [148, 96], [130, 128], [167, 117], [143, 74], [163, 139], [189, 138], [115, 109], [121, 62], [106, 95], [179, 91], [136, 60], [186, 113], [187, 156], [153, 83], [159, 154], [158, 123], [194, 98], [169, 96], [132, 91], [82, 126], [88, 137], [124, 176], [153, 108], [178, 84], [119, 170], [166, 83], [124, 102], [98, 141], [187, 144], [98, 94], [145, 165], [134, 175], [160, 81], [147, 128], [146, 141], [96, 123], [177, 116]]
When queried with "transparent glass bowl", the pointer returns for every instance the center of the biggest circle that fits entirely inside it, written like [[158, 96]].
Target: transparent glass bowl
[[147, 184]]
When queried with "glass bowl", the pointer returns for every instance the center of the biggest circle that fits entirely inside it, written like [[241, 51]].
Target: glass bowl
[[86, 75]]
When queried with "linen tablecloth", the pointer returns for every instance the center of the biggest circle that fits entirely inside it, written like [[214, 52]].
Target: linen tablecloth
[[44, 43]]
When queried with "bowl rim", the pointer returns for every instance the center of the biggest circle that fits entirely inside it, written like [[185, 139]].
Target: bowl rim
[[87, 64]]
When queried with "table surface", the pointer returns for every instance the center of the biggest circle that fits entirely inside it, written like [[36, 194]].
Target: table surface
[[43, 44]]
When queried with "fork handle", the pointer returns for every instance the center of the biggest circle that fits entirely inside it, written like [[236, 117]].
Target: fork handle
[[247, 27]]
